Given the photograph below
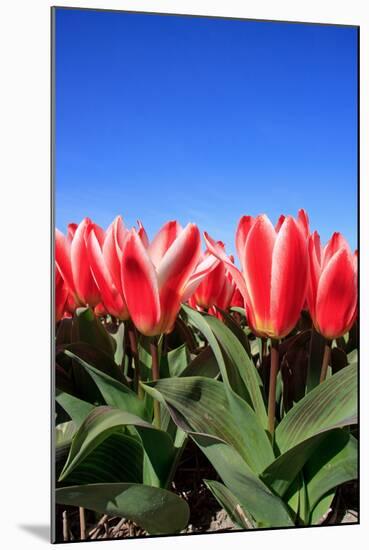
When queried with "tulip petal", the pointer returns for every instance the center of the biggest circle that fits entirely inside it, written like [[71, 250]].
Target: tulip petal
[[243, 228], [71, 231], [337, 295], [142, 234], [289, 277], [111, 298], [211, 286], [279, 223], [205, 267], [303, 221], [314, 271], [140, 286], [163, 240], [336, 242], [258, 269], [219, 253], [61, 295], [111, 250], [62, 260], [85, 285], [174, 271]]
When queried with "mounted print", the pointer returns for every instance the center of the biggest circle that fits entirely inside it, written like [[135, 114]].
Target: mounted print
[[205, 179]]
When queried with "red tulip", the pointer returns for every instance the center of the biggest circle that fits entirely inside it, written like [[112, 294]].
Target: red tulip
[[332, 288], [214, 288], [61, 295], [302, 220], [275, 269], [72, 261], [237, 299], [157, 279], [105, 263]]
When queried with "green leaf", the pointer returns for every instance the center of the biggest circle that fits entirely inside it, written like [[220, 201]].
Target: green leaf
[[95, 357], [321, 509], [156, 510], [118, 458], [99, 424], [267, 509], [352, 357], [199, 404], [204, 364], [281, 473], [236, 329], [231, 504], [238, 371], [316, 353], [330, 405], [118, 338], [76, 408], [334, 463], [114, 392], [88, 328], [178, 360]]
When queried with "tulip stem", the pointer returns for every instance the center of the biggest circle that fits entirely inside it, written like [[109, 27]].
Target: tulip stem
[[325, 362], [274, 365], [136, 362], [155, 376]]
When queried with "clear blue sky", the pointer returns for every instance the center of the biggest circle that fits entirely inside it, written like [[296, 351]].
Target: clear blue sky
[[204, 120]]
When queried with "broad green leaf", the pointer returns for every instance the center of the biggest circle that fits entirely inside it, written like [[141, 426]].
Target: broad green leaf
[[156, 510], [204, 364], [335, 462], [114, 392], [118, 458], [321, 509], [64, 432], [200, 404], [352, 356], [316, 353], [281, 473], [330, 405], [99, 424], [88, 328], [118, 338], [178, 360], [237, 330], [231, 504], [102, 422], [267, 509], [76, 408], [159, 455], [238, 371], [95, 357]]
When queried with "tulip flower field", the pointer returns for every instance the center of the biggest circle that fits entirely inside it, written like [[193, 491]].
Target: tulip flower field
[[164, 346]]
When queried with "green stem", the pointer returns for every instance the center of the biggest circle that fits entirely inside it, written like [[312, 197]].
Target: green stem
[[325, 362], [155, 376], [274, 365]]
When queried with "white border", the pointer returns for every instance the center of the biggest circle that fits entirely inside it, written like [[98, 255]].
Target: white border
[[24, 303]]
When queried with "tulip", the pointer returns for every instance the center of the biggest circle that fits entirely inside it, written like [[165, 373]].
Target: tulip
[[105, 263], [216, 289], [332, 288], [158, 278], [237, 299], [72, 261], [61, 295], [274, 278], [302, 220], [273, 282]]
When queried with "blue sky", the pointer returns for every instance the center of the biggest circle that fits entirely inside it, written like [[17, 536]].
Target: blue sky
[[204, 120]]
